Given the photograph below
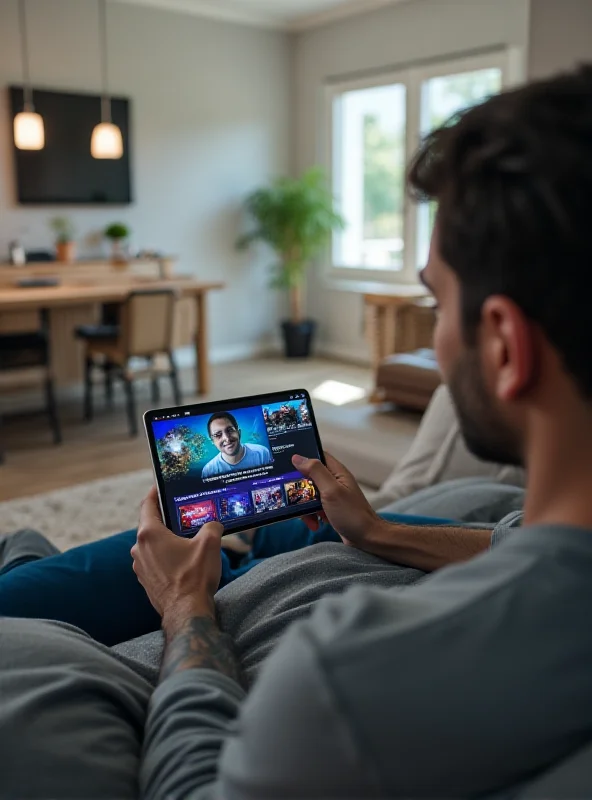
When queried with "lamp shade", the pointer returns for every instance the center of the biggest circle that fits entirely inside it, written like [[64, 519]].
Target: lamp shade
[[106, 141], [29, 133]]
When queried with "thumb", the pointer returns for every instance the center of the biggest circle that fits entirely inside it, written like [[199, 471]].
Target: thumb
[[315, 470], [210, 535]]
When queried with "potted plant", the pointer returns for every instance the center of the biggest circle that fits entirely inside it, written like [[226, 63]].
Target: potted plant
[[296, 217], [118, 233], [64, 239]]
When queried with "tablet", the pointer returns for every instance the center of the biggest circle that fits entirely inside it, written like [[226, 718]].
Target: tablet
[[231, 461]]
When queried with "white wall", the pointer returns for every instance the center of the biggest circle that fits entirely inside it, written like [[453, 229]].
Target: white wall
[[396, 35], [211, 121], [560, 35]]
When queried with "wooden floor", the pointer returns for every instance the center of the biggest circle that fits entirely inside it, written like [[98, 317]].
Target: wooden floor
[[103, 448]]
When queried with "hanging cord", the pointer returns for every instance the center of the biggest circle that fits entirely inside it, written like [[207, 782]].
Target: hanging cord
[[27, 91], [105, 102]]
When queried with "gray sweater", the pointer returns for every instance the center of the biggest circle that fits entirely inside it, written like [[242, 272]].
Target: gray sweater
[[464, 684]]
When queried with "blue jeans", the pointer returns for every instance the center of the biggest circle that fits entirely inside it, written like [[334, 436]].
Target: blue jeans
[[95, 588]]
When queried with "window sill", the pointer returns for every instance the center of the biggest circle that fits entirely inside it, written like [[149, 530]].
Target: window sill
[[415, 289]]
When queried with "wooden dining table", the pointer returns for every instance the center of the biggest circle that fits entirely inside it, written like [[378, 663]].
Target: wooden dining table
[[72, 304]]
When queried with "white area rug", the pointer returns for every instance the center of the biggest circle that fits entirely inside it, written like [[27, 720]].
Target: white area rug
[[83, 513]]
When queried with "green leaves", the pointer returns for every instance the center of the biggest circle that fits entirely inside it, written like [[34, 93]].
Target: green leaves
[[117, 230], [288, 275], [63, 229], [296, 217]]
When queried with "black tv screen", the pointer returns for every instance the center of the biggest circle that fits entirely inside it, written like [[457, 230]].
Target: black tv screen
[[64, 171]]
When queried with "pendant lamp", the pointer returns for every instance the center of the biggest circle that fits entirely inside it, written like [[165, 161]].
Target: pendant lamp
[[106, 140], [29, 133]]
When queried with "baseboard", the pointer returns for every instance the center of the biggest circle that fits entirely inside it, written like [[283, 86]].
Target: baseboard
[[354, 355], [227, 353], [242, 352]]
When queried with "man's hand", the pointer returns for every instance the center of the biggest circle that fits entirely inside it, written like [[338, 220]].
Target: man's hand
[[180, 576], [344, 504], [425, 547]]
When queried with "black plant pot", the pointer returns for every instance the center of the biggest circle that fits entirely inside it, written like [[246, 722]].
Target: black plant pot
[[298, 338]]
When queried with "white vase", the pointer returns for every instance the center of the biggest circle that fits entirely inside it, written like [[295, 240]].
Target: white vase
[[118, 251]]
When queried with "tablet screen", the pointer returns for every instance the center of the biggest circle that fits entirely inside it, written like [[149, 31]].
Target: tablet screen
[[231, 461]]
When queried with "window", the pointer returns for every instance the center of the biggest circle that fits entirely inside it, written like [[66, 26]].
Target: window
[[441, 97], [375, 126], [371, 166]]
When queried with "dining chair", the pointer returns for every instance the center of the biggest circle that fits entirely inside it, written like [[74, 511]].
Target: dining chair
[[25, 360], [144, 334]]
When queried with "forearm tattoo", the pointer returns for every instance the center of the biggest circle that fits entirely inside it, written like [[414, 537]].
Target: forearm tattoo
[[200, 644]]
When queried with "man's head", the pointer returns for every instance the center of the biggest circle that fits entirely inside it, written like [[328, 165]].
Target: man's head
[[511, 258], [225, 433]]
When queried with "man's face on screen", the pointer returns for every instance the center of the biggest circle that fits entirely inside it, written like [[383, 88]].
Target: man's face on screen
[[225, 436]]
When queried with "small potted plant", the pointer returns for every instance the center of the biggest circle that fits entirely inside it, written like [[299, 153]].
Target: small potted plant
[[117, 232], [64, 239], [296, 217]]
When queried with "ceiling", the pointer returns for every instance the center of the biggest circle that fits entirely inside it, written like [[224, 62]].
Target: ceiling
[[286, 14]]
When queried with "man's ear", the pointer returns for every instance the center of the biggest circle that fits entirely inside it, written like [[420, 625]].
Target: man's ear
[[508, 347]]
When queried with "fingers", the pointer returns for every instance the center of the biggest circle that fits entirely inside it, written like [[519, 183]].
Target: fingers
[[150, 509], [311, 521], [315, 470], [334, 466], [314, 521]]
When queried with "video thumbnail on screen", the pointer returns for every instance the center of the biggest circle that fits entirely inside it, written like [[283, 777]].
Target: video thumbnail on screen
[[194, 515], [269, 498], [301, 491], [286, 416], [234, 506]]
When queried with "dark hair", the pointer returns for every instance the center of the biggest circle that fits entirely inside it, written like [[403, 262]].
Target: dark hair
[[513, 181], [221, 415]]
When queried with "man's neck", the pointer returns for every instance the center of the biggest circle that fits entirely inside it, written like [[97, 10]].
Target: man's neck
[[559, 469], [235, 459]]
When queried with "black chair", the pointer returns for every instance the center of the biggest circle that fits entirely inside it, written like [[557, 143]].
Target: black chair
[[21, 354]]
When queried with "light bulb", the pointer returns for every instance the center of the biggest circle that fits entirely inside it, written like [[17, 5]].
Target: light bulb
[[106, 141], [29, 133]]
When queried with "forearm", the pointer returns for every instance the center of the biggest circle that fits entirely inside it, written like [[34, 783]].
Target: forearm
[[199, 695], [194, 641], [425, 547]]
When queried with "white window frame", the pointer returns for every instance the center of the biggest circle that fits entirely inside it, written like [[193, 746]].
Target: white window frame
[[510, 61]]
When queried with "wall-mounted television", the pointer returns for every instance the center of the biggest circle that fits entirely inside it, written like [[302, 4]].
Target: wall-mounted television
[[64, 171]]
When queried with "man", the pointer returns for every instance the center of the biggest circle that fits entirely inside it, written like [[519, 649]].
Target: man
[[472, 681], [478, 678], [224, 432]]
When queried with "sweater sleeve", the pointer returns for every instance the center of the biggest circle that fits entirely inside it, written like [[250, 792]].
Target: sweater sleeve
[[197, 745], [293, 739], [188, 722], [506, 526]]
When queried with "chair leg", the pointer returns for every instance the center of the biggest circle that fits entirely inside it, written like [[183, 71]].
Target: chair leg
[[155, 389], [108, 384], [52, 411], [175, 381], [131, 406], [1, 448], [88, 405]]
